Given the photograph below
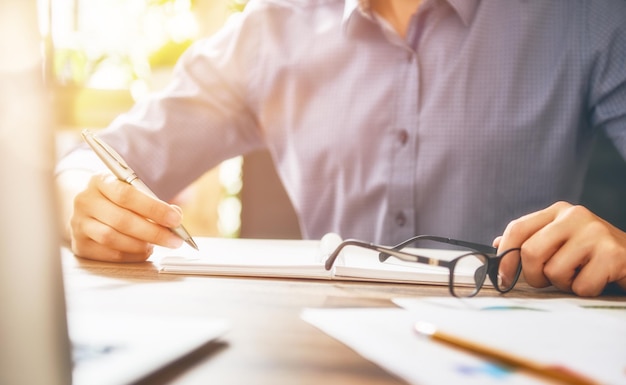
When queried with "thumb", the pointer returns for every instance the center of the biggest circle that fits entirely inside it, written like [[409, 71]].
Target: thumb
[[496, 242]]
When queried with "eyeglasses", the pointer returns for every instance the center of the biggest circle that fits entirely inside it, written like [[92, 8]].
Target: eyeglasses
[[468, 271]]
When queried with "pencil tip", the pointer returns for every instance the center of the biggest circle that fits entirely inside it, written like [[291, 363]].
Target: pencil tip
[[425, 328]]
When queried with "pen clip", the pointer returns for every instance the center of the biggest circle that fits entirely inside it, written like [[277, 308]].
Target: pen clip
[[110, 157], [111, 152]]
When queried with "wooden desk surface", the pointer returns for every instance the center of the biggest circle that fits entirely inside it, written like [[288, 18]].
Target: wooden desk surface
[[268, 342]]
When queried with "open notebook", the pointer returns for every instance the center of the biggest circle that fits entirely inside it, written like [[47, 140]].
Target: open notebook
[[299, 259]]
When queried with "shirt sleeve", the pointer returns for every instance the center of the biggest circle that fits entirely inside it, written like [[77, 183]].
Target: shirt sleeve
[[81, 158], [607, 96], [200, 119]]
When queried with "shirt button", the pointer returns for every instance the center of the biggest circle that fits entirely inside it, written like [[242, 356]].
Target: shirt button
[[400, 219], [403, 137]]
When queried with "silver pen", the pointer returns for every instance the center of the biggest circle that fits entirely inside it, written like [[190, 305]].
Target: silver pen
[[123, 172]]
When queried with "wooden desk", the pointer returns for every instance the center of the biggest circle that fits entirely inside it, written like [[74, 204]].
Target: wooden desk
[[268, 342]]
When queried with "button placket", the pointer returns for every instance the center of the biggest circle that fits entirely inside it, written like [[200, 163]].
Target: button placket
[[402, 137], [400, 219], [400, 214]]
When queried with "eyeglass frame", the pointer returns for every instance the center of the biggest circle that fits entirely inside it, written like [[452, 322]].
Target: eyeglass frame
[[492, 258]]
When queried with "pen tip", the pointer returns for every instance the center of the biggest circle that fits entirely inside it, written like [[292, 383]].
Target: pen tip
[[191, 243]]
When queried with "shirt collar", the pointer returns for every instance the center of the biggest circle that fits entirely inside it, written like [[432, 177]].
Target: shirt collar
[[466, 9], [351, 8]]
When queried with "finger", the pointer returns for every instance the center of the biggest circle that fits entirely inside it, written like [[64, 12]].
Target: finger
[[520, 230], [605, 263], [85, 231], [539, 237], [591, 279], [566, 263], [144, 205], [517, 235], [89, 249], [120, 224], [109, 237], [550, 256], [564, 246], [507, 269], [92, 205], [178, 209]]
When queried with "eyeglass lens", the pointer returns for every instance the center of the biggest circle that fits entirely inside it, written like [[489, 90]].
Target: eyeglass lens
[[470, 272], [470, 269], [509, 270], [468, 275]]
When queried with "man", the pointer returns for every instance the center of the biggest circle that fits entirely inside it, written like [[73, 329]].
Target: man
[[387, 119]]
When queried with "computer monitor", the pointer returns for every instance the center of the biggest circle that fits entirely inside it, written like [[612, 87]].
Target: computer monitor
[[40, 341], [34, 347]]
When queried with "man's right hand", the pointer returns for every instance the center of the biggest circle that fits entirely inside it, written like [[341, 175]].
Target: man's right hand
[[110, 220]]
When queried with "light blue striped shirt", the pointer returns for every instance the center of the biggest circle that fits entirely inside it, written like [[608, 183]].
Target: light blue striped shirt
[[485, 112]]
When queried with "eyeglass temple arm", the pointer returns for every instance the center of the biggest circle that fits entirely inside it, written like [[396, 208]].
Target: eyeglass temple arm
[[385, 253], [471, 245]]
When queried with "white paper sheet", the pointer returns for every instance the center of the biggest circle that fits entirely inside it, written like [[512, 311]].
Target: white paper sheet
[[556, 332], [386, 337]]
